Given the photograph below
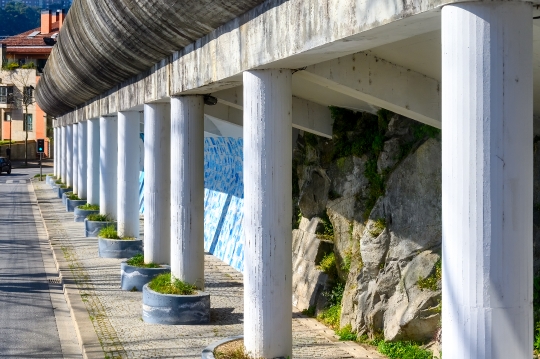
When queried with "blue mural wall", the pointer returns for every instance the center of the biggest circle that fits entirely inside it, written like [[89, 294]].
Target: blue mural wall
[[223, 199]]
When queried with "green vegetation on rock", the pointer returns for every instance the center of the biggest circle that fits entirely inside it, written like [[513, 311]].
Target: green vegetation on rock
[[164, 284], [328, 264], [377, 227], [331, 315], [431, 281]]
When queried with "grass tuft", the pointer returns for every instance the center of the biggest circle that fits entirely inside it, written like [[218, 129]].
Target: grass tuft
[[74, 197], [403, 350], [89, 207], [96, 217], [138, 261], [164, 284], [58, 181], [108, 232], [238, 353]]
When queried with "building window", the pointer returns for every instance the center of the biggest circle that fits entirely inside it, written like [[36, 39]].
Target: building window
[[6, 94], [28, 125], [7, 116]]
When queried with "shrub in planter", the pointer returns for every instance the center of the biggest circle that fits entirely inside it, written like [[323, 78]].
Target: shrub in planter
[[73, 201], [95, 222], [134, 273], [110, 245], [84, 210], [167, 300]]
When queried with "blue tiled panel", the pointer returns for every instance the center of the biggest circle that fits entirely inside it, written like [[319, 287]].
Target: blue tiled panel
[[223, 199]]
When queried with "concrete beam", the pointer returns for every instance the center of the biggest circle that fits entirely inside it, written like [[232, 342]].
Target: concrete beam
[[380, 83], [306, 115]]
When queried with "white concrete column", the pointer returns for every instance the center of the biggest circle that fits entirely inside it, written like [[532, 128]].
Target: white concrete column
[[63, 156], [187, 189], [128, 174], [267, 213], [92, 162], [82, 160], [56, 138], [75, 158], [157, 183], [108, 165], [487, 180], [69, 156]]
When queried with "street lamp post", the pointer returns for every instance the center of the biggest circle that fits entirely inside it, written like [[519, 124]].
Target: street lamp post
[[28, 99]]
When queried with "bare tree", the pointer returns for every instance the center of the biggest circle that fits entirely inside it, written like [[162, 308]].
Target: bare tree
[[22, 97]]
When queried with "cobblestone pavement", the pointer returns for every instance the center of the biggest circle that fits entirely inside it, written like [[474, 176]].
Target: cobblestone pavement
[[116, 314]]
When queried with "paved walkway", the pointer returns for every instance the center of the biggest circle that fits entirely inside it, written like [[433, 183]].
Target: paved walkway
[[34, 317], [116, 314]]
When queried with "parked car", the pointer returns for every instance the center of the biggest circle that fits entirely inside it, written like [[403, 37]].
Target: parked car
[[5, 165]]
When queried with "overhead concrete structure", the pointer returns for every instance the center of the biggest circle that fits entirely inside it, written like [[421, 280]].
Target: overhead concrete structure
[[487, 166], [90, 60], [361, 55]]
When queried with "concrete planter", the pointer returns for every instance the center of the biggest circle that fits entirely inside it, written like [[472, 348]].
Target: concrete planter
[[136, 277], [50, 180], [92, 228], [65, 197], [208, 352], [119, 248], [174, 309], [81, 214], [61, 191], [71, 204]]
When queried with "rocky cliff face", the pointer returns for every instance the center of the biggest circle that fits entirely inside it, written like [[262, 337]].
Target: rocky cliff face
[[372, 196]]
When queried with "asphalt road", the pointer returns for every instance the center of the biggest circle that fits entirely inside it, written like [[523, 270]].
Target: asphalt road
[[28, 323]]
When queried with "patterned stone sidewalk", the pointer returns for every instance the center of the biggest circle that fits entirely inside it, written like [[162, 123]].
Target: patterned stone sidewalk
[[116, 314]]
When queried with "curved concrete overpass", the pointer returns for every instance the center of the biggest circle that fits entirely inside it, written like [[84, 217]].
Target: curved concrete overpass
[[106, 42]]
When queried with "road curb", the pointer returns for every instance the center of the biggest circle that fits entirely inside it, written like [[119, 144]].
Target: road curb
[[86, 334]]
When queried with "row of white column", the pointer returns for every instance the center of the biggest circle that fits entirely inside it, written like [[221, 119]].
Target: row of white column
[[105, 153], [487, 138]]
